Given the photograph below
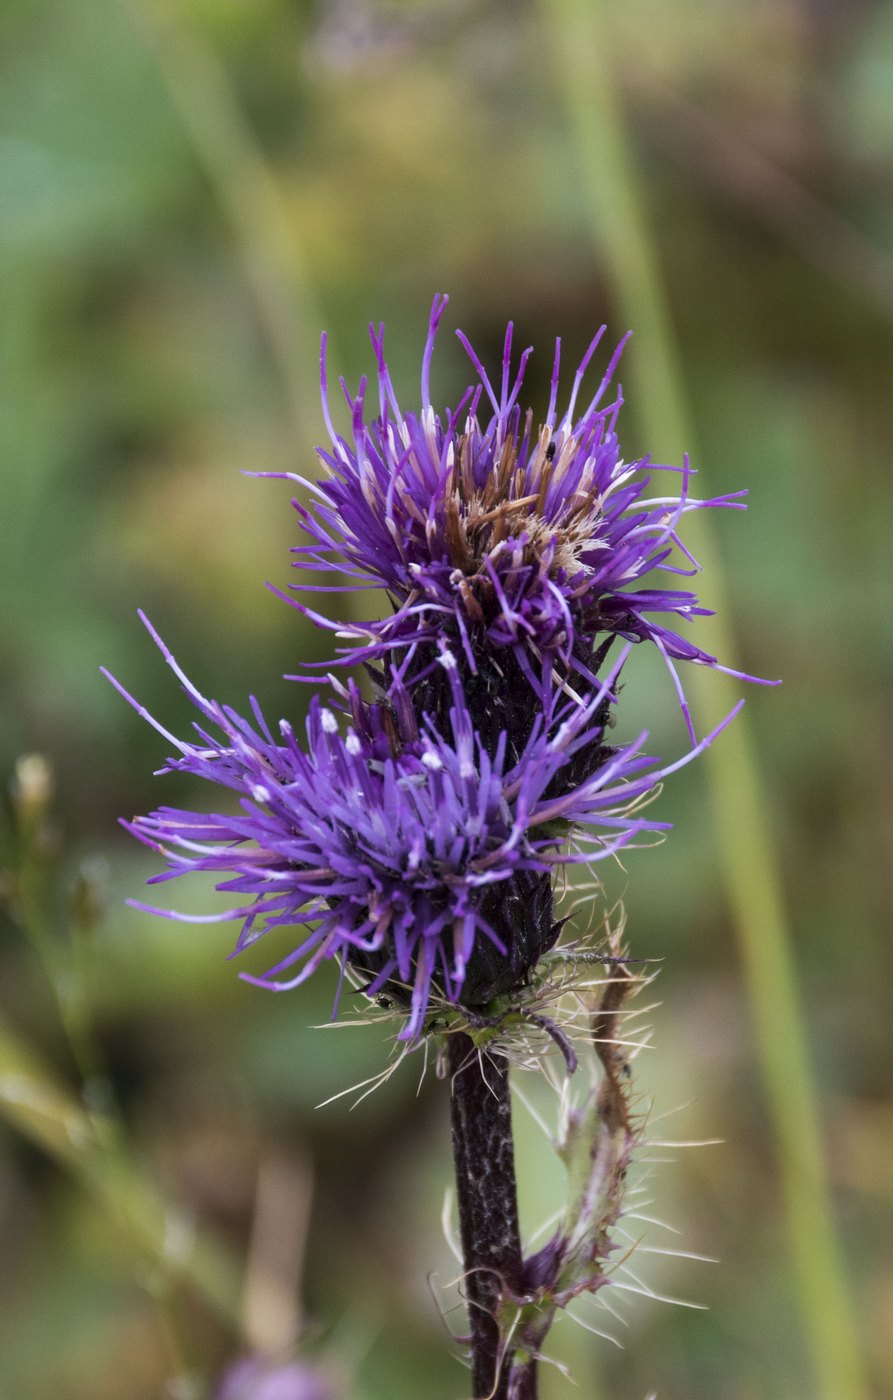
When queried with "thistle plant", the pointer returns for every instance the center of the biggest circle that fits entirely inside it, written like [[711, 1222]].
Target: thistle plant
[[420, 830]]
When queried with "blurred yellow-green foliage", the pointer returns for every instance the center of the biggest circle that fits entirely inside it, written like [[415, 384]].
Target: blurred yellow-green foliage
[[189, 193]]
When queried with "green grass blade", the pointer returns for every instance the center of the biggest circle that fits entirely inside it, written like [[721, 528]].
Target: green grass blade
[[580, 32]]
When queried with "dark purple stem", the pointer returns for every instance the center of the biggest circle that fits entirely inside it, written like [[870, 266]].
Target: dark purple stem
[[488, 1211]]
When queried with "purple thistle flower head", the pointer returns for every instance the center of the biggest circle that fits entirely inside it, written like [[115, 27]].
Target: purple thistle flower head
[[538, 541], [403, 849], [252, 1379]]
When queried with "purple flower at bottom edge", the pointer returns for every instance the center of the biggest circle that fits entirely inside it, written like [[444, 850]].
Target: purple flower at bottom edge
[[501, 535], [392, 844], [251, 1379]]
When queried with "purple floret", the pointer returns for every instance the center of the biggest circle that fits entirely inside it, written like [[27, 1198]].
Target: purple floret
[[385, 838], [498, 534]]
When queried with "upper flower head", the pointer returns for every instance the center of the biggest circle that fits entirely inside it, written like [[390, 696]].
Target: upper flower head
[[497, 532], [403, 850]]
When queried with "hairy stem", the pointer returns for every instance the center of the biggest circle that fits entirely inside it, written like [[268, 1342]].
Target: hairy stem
[[488, 1212]]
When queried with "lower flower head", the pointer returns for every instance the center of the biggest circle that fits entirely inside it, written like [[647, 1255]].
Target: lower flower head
[[400, 850]]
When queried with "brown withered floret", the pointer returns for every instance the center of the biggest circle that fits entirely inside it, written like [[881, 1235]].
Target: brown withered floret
[[478, 520]]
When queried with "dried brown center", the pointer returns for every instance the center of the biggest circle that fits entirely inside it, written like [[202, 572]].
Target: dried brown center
[[512, 502]]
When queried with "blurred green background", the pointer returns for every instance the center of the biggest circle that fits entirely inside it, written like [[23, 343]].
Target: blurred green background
[[189, 194]]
